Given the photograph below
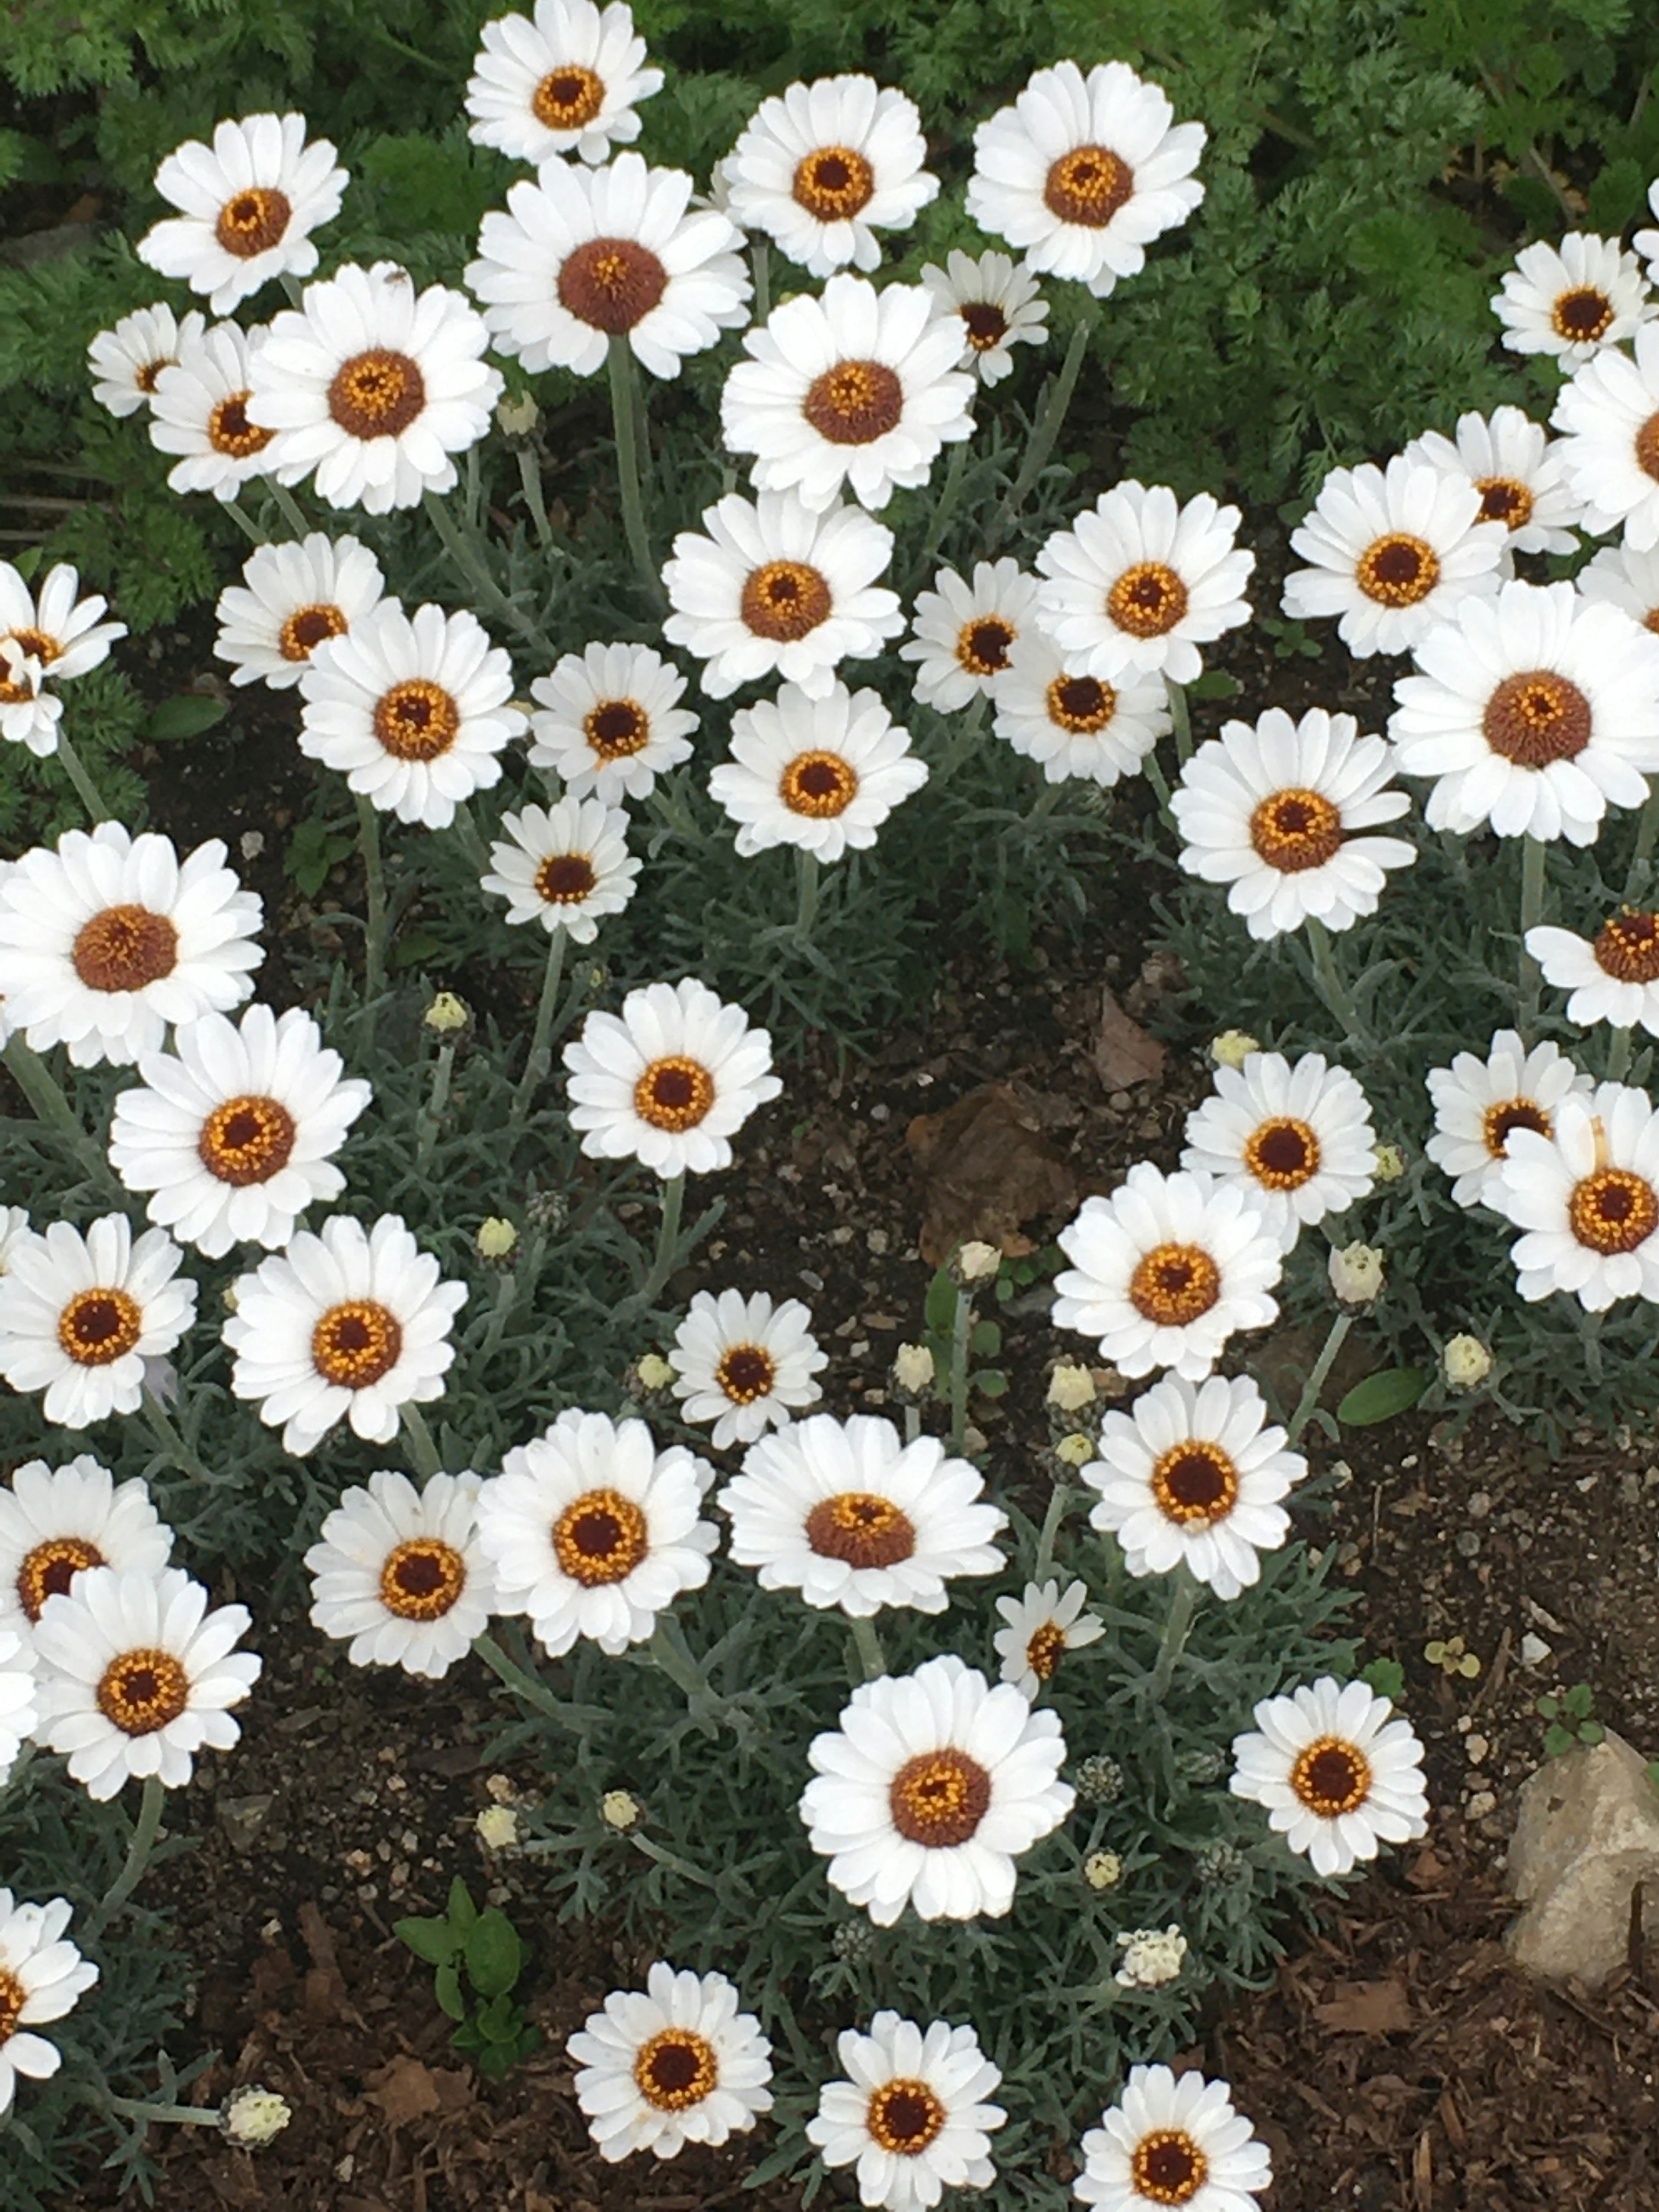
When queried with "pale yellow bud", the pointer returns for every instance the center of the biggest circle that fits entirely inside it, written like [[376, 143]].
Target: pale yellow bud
[[1071, 1386], [1465, 1362], [1233, 1047], [447, 1013], [496, 1237], [1103, 1869], [1076, 1449], [1356, 1272], [654, 1371], [517, 417], [498, 1828], [618, 1810], [253, 2115], [913, 1368], [1388, 1163], [976, 1262]]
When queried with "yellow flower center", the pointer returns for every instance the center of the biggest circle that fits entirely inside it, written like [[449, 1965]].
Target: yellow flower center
[[674, 1094], [356, 1345], [421, 1578], [142, 1691], [861, 1529], [99, 1327], [834, 184], [1331, 1777], [254, 221], [1174, 1284], [676, 2068], [246, 1140], [600, 1537]]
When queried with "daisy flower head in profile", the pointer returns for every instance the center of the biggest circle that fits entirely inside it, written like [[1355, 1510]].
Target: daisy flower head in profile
[[1041, 1627], [676, 2063], [248, 204], [584, 256], [1081, 173], [1339, 1777], [371, 388], [593, 1531], [565, 79], [910, 2113], [745, 1364], [199, 410], [399, 1571], [1586, 1198], [138, 1675], [1391, 551], [1297, 1137], [1608, 415], [820, 774], [858, 387], [413, 710], [1283, 814], [772, 588], [610, 723], [1511, 463], [80, 1315], [932, 1787], [1193, 1476], [963, 633], [1172, 2139], [346, 1324], [1165, 1270], [1136, 586], [19, 1710], [43, 1977], [998, 303], [292, 599], [235, 1131], [1478, 1103], [58, 631], [1618, 576], [670, 1081], [567, 866], [1534, 712], [124, 361], [1614, 976], [1046, 706], [849, 1515], [56, 1521], [1574, 300], [824, 166]]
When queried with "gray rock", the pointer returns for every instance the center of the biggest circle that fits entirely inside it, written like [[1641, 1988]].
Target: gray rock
[[1586, 1839]]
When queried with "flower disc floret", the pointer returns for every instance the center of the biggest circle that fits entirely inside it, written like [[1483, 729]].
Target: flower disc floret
[[1608, 414], [1587, 1198], [399, 1571], [744, 1364], [1391, 551], [248, 205], [822, 774], [610, 722], [42, 1977], [1339, 1778], [563, 79], [294, 598], [910, 2113], [1573, 301], [1139, 584], [672, 2065], [1298, 1137], [824, 166], [80, 1315], [670, 1081], [1479, 1104], [997, 304], [1172, 2140]]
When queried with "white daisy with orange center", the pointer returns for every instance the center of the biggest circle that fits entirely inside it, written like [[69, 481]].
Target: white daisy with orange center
[[564, 79], [399, 1571], [1480, 1103], [609, 721], [593, 1531], [199, 410], [1297, 1136], [19, 1711], [1042, 1626], [912, 2113], [745, 1364], [1172, 2140], [998, 303], [1573, 300], [292, 599], [81, 1316], [1046, 705], [670, 1081], [676, 2063], [963, 633], [824, 166], [45, 639], [248, 204], [42, 1977], [1587, 1198], [56, 1521], [820, 774], [1338, 1775], [1608, 415], [566, 866], [124, 361], [1614, 976], [1620, 577], [1512, 464]]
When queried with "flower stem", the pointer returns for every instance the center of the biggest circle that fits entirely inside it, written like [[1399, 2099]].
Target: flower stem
[[1059, 1499], [250, 528], [1619, 1054], [867, 1641], [51, 1104], [1647, 828], [1047, 428], [430, 1119], [1316, 1382], [668, 1236], [140, 2108], [945, 506], [625, 423], [1184, 1606], [145, 1830], [760, 263], [962, 1325], [1332, 988], [912, 1424], [490, 592], [288, 506], [806, 889], [1155, 776], [423, 1446], [169, 1437], [523, 1685], [535, 1068], [1530, 979], [530, 480], [1181, 719], [86, 790], [368, 839]]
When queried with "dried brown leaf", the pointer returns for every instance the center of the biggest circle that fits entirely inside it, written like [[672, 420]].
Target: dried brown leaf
[[1124, 1054], [986, 1167], [1368, 2008], [405, 2090]]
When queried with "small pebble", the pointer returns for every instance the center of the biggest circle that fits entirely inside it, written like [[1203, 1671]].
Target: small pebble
[[1467, 1543], [1534, 1650], [1480, 1804], [1480, 1505], [877, 1240], [1475, 1750]]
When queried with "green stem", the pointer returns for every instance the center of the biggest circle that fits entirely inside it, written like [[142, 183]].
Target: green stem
[[145, 1830], [1619, 1053], [1059, 1499], [170, 1438], [1184, 1606], [1647, 828], [1332, 988], [140, 2108], [51, 1105], [432, 1117], [867, 1641], [541, 1053], [530, 480], [625, 424], [368, 839], [760, 263], [962, 1323], [472, 839], [250, 528], [668, 1236], [945, 506], [288, 508], [1154, 775], [1530, 979], [523, 1685], [423, 1446], [673, 1862], [912, 1424], [806, 889], [964, 741], [1316, 1382], [1047, 428], [86, 790], [1181, 719], [489, 591]]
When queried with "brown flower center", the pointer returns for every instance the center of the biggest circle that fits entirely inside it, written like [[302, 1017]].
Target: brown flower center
[[1088, 185], [855, 403], [13, 1998], [1331, 1777], [421, 1578], [1502, 499], [861, 1531], [33, 645], [1628, 946], [1611, 1211], [1168, 2168], [377, 394], [612, 283], [246, 1140], [229, 431], [1294, 830], [1148, 599], [600, 1537], [1398, 570], [254, 221], [1174, 1284], [1081, 704], [1045, 1650], [49, 1569], [1283, 1154], [1582, 315], [568, 98], [904, 2117], [142, 1691], [1195, 1484], [987, 326], [124, 948], [417, 719], [615, 728], [357, 1344], [676, 2068], [784, 600], [304, 631], [675, 1094], [939, 1798], [1499, 1123], [1647, 448], [565, 878], [982, 645], [99, 1327], [746, 1371], [834, 184], [818, 785], [1537, 718], [144, 379]]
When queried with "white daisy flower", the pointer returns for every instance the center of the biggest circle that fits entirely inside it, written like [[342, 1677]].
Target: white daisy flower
[[1165, 1270], [1172, 2139], [125, 361], [1509, 461], [42, 1977], [1193, 1476], [1392, 551], [932, 1788], [399, 1570], [744, 1364], [1478, 1103], [1043, 1627], [1140, 583], [1618, 576], [413, 711], [857, 387], [566, 866], [911, 2114], [19, 1716], [199, 410], [1298, 1138], [106, 938], [1279, 811], [374, 388], [593, 1532], [235, 1130], [1573, 300], [1000, 304], [1046, 708], [1337, 1775], [13, 1225], [1614, 976], [1609, 413], [610, 724], [824, 166], [963, 634], [823, 773], [248, 205], [582, 256], [1587, 1196], [670, 1081], [137, 1676], [347, 1324], [775, 588], [563, 80], [292, 599], [1082, 173], [849, 1515], [80, 1315], [674, 2063], [56, 1521], [29, 716], [59, 631]]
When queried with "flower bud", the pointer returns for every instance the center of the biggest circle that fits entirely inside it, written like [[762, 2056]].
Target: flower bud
[[498, 1828], [1071, 1386], [654, 1371], [496, 1237], [913, 1369], [620, 1811], [447, 1013], [1076, 1450], [254, 2115], [1233, 1047], [1150, 1955], [1356, 1272], [1103, 1869], [975, 1261], [1099, 1780], [1465, 1361], [518, 417], [1387, 1163]]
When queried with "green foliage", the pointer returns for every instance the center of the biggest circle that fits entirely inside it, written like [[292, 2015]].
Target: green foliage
[[1571, 1719], [1386, 1677], [476, 1956], [1382, 1397]]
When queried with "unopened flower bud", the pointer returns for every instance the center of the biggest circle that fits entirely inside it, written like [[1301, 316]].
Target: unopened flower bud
[[854, 1941], [618, 1810], [1387, 1163], [498, 1828], [652, 1371], [1150, 1956], [1233, 1047], [1356, 1272], [1099, 1780], [1075, 1450], [1070, 1387], [913, 1369], [254, 2115], [496, 1237], [518, 417], [447, 1013], [1465, 1362], [1103, 1869], [975, 1261]]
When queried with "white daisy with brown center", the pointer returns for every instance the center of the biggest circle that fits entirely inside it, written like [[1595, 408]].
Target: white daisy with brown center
[[566, 866], [399, 1571], [1587, 1198], [593, 1531], [19, 1713], [199, 410], [348, 1324], [1042, 1626], [137, 1676], [48, 639], [124, 361], [963, 634], [931, 1789], [1338, 1776], [999, 304], [80, 1315], [1082, 173], [673, 2063], [911, 2114], [1511, 463], [248, 204], [1574, 300], [1608, 415], [56, 1521], [1614, 976], [825, 166], [42, 1977], [670, 1081], [1045, 706], [609, 721], [849, 1515], [1297, 1136], [292, 599], [820, 774], [1193, 1476], [1480, 1103], [563, 79], [744, 1364], [1172, 2140], [1620, 576], [1165, 1270]]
